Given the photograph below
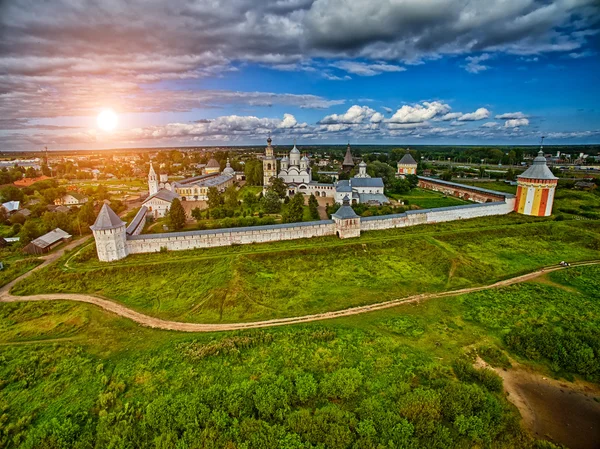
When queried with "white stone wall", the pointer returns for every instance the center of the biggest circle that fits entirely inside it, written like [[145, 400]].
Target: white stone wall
[[224, 237], [111, 244], [426, 216]]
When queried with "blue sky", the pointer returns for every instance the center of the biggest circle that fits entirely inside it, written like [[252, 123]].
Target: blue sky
[[331, 71]]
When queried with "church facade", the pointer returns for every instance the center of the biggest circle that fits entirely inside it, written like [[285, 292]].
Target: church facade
[[296, 173]]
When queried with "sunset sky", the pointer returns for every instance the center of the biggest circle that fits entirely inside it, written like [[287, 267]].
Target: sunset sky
[[321, 71]]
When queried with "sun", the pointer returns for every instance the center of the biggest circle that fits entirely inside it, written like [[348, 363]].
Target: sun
[[107, 120]]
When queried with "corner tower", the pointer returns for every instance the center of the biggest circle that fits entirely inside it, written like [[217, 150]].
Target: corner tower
[[152, 181], [347, 223], [110, 235], [269, 164], [536, 187]]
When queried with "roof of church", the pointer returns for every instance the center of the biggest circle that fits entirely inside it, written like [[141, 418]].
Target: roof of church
[[295, 150], [366, 182], [163, 194], [348, 161], [538, 170], [228, 170], [212, 163], [407, 159], [107, 219], [362, 164]]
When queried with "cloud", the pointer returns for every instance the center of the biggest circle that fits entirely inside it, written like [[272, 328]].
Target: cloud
[[511, 115], [419, 112], [474, 63], [388, 110], [364, 69], [490, 125], [479, 114], [354, 115], [583, 54], [514, 123]]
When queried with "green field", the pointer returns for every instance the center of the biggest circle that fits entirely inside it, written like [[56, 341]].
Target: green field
[[427, 199], [73, 376], [284, 279]]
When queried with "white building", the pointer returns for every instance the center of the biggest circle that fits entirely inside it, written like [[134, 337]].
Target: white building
[[295, 168]]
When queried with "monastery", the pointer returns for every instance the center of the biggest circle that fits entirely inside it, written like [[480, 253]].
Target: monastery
[[535, 194], [296, 173]]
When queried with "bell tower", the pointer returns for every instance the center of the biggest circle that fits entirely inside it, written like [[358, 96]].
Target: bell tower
[[152, 181], [269, 164]]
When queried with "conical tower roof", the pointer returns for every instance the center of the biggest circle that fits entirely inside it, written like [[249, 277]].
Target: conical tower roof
[[107, 219], [348, 161], [407, 159], [538, 170], [346, 211]]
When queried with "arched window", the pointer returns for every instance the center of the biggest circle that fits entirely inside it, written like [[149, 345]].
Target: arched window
[[268, 166]]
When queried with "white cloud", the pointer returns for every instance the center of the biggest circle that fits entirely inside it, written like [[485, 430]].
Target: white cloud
[[479, 114], [514, 123], [388, 110], [364, 69], [474, 63], [419, 112], [354, 115], [490, 125], [509, 115]]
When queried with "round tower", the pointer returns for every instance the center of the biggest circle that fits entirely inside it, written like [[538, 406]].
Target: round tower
[[110, 235], [536, 187], [152, 181]]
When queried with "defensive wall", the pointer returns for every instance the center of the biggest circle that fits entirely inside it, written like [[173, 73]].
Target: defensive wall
[[462, 191], [348, 225]]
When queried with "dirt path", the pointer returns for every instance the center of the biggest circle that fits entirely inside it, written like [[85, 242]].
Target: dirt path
[[562, 412], [158, 323]]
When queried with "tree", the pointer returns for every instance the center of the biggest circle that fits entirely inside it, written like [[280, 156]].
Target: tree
[[279, 187], [11, 193], [28, 232], [3, 215], [313, 205], [249, 199], [197, 214], [176, 215], [231, 197], [399, 185], [271, 203], [86, 216], [253, 170], [214, 198], [446, 176], [294, 211], [378, 169]]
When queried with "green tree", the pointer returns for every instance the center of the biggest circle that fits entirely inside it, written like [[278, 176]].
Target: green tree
[[446, 176], [197, 214], [231, 197], [176, 215], [313, 205], [294, 212], [279, 187], [253, 170], [29, 231], [215, 198], [249, 199], [378, 169], [271, 203], [11, 193]]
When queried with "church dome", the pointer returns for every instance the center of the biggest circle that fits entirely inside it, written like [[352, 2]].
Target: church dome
[[304, 158], [362, 164], [228, 170], [295, 150]]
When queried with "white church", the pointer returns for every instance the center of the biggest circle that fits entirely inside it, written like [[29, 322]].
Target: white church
[[296, 173]]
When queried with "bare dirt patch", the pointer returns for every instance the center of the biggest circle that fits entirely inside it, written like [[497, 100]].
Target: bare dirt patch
[[559, 411]]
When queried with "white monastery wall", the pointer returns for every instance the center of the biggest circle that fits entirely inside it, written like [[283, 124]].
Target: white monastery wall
[[148, 243], [428, 216]]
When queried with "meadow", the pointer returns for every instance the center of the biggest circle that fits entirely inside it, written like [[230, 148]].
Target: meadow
[[73, 376], [284, 279], [427, 199]]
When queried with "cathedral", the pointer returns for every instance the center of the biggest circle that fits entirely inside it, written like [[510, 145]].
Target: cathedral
[[296, 173]]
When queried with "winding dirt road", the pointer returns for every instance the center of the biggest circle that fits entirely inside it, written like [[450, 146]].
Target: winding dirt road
[[158, 323]]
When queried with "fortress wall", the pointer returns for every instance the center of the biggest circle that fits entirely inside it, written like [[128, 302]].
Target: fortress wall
[[416, 217], [472, 193], [148, 243]]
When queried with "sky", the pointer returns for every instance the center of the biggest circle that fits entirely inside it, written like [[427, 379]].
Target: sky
[[233, 72]]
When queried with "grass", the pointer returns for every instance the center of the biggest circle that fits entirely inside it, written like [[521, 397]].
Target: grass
[[428, 199], [88, 378], [266, 281]]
